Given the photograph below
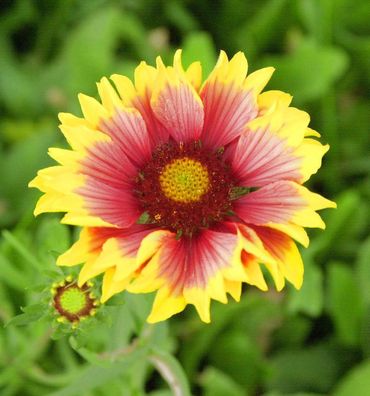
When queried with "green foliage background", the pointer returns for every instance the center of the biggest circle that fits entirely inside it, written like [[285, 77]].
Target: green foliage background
[[312, 342]]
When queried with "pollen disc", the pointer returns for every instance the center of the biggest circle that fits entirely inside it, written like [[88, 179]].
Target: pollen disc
[[184, 180], [73, 302]]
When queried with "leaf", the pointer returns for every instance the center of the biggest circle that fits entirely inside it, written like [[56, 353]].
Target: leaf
[[236, 355], [337, 222], [363, 271], [32, 313], [52, 235], [356, 382], [26, 157], [312, 369], [344, 303], [309, 72], [199, 46], [216, 383], [22, 249], [94, 376], [11, 275], [309, 299], [257, 31]]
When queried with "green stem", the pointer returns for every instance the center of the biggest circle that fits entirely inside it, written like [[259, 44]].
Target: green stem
[[171, 371]]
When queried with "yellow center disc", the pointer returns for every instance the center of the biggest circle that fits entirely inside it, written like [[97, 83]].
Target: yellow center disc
[[73, 300], [184, 180]]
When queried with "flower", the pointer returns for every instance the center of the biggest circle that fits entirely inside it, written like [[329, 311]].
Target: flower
[[185, 188], [72, 302]]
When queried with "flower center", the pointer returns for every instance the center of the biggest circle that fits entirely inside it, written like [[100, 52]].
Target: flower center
[[184, 180], [184, 188], [73, 302]]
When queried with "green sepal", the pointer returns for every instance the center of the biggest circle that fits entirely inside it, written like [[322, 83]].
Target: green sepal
[[144, 219], [238, 192]]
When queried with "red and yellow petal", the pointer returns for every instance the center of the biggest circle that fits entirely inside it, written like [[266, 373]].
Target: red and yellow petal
[[274, 146], [202, 265], [111, 251], [285, 252], [228, 104], [282, 203], [176, 104]]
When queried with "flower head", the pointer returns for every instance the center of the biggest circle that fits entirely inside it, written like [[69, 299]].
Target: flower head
[[186, 188], [73, 302]]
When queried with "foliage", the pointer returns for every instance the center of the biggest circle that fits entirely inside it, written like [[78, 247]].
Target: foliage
[[311, 342]]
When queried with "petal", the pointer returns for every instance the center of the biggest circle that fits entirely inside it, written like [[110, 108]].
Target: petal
[[110, 286], [234, 288], [138, 96], [81, 137], [102, 249], [109, 185], [276, 202], [92, 110], [271, 100], [261, 158], [253, 271], [127, 128], [311, 152], [191, 270], [257, 80], [282, 203], [294, 231], [82, 250], [193, 73], [59, 183], [228, 107], [287, 123], [176, 105], [166, 305], [284, 250], [273, 147]]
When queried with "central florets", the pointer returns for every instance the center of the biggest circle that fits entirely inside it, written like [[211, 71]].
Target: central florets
[[184, 180], [184, 188], [73, 302]]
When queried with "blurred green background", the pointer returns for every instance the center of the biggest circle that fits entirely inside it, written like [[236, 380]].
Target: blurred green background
[[312, 342]]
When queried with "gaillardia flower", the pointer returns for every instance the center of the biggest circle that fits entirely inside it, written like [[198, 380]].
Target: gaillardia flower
[[186, 188]]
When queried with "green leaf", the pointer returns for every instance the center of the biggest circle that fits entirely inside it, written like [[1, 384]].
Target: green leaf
[[236, 355], [310, 298], [312, 369], [22, 249], [356, 382], [11, 275], [363, 271], [337, 223], [199, 46], [94, 376], [31, 314], [309, 72], [52, 236], [344, 303], [216, 383], [262, 27]]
